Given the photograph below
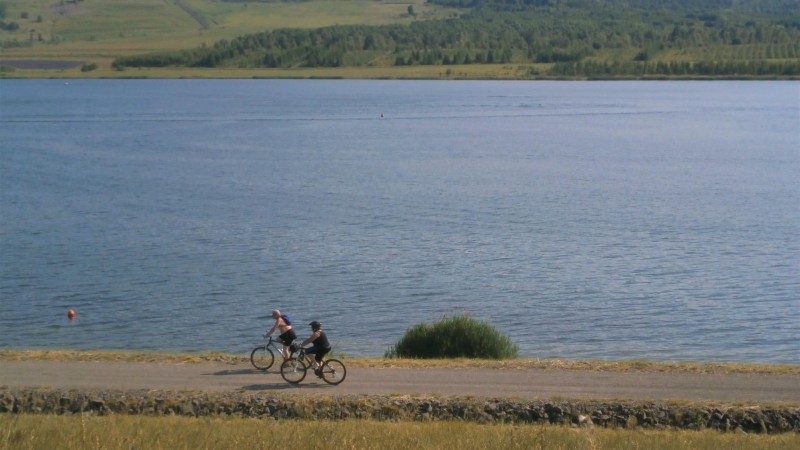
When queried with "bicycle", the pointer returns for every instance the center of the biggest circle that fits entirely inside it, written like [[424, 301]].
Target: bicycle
[[263, 356], [293, 370]]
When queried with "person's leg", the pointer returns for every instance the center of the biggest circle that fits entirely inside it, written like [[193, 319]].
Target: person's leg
[[287, 339], [290, 338], [318, 359], [311, 356]]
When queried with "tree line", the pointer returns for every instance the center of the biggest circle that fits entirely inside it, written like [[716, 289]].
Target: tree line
[[728, 69], [764, 7], [567, 34]]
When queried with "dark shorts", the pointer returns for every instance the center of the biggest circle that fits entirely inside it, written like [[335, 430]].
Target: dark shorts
[[288, 337], [317, 352]]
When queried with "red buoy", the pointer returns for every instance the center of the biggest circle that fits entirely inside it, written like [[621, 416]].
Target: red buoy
[[71, 314]]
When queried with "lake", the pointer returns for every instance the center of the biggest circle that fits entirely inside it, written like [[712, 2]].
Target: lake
[[608, 220]]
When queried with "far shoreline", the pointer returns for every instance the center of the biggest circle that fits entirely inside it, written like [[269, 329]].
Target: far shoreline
[[71, 69]]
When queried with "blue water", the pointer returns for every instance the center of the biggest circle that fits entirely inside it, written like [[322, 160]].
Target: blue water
[[611, 220]]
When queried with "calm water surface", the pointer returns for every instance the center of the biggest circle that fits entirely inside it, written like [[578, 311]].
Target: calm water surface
[[614, 220]]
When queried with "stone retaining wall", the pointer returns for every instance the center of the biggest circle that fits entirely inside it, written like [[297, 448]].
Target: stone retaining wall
[[397, 408]]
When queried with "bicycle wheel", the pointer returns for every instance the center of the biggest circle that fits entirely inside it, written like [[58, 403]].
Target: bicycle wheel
[[262, 358], [333, 371], [293, 370]]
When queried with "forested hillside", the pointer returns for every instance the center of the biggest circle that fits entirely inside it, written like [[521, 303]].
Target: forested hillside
[[564, 38], [774, 7]]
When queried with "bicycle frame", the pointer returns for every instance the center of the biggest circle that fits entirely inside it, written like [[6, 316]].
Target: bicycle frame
[[293, 370], [270, 348], [274, 344]]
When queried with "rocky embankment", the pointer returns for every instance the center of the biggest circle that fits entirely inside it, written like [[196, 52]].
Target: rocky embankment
[[398, 408]]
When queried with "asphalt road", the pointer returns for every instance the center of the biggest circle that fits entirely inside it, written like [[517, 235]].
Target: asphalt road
[[515, 383]]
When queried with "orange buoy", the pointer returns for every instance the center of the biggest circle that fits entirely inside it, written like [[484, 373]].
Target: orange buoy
[[71, 314]]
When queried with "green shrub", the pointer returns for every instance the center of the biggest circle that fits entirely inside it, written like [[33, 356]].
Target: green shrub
[[453, 337]]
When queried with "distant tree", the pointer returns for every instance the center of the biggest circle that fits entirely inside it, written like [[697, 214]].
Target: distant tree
[[411, 10], [9, 26]]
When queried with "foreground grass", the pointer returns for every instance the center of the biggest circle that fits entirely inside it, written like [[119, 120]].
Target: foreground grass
[[508, 364], [126, 432]]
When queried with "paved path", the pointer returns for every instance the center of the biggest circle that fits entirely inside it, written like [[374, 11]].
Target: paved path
[[527, 384]]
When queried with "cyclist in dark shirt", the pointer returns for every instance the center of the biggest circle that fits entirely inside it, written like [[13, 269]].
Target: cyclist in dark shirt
[[320, 346]]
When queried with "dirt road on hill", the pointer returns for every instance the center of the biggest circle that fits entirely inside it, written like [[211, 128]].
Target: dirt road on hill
[[524, 384]]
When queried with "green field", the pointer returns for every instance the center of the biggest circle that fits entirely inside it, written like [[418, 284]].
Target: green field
[[154, 24], [98, 31]]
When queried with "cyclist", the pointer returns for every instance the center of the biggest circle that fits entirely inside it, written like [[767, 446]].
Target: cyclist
[[287, 331], [320, 346]]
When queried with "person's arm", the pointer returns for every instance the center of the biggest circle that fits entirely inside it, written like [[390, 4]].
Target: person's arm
[[311, 338], [272, 330]]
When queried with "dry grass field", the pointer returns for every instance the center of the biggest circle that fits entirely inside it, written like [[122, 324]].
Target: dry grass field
[[22, 432]]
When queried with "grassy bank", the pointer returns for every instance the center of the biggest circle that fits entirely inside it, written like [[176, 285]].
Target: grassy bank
[[433, 72], [126, 432], [531, 71], [509, 364], [477, 72]]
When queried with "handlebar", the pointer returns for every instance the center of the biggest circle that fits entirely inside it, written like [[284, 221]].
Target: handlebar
[[302, 350]]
